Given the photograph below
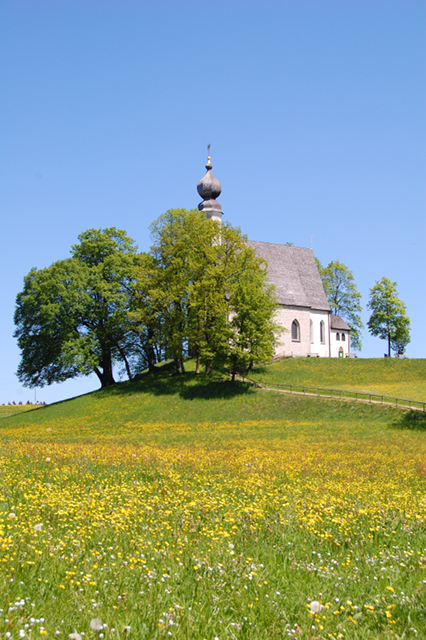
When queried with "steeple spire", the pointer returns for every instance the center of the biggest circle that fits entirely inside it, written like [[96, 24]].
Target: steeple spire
[[209, 189]]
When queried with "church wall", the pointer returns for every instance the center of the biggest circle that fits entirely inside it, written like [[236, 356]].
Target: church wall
[[284, 317], [336, 345], [318, 348]]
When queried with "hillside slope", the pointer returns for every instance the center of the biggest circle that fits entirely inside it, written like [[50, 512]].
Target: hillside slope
[[387, 376], [154, 408]]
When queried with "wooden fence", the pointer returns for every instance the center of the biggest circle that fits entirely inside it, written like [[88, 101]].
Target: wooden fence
[[339, 394]]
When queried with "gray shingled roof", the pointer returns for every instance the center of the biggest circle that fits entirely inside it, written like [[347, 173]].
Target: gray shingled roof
[[338, 323], [294, 273]]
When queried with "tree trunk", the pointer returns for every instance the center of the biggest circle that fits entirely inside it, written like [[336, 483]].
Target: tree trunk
[[176, 361], [389, 348], [234, 369], [197, 365], [151, 352], [105, 376], [123, 355]]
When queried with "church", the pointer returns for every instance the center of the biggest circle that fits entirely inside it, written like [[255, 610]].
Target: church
[[310, 328]]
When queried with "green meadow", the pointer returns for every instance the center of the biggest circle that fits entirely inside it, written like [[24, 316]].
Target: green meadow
[[390, 377], [190, 507]]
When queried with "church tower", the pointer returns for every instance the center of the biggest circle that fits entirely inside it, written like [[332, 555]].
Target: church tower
[[209, 189]]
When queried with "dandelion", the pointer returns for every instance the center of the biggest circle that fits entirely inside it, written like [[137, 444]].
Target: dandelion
[[75, 636], [316, 607], [38, 527], [96, 624]]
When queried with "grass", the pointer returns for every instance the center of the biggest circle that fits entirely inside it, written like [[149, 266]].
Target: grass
[[12, 409], [404, 379], [187, 508]]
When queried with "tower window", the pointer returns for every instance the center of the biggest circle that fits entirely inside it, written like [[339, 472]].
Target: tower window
[[312, 332], [337, 336], [295, 331], [343, 337]]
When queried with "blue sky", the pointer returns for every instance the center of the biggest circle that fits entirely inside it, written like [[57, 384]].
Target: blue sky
[[315, 112]]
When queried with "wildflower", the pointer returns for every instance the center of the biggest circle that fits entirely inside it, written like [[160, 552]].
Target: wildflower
[[75, 636], [316, 606], [96, 624], [11, 515], [38, 527], [127, 629]]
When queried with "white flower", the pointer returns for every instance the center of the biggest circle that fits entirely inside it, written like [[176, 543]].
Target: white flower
[[47, 459], [316, 606], [230, 545], [75, 636], [38, 527], [11, 515], [96, 624]]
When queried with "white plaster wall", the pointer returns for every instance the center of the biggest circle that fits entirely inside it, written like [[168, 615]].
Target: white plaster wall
[[317, 347], [336, 344], [284, 317]]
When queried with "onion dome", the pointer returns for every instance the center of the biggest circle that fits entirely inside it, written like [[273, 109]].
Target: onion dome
[[209, 189]]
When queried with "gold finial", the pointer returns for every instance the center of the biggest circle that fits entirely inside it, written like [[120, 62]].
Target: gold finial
[[208, 154], [311, 242]]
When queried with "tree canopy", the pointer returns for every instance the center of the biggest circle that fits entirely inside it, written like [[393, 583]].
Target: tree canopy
[[388, 320], [71, 317], [343, 297], [200, 290]]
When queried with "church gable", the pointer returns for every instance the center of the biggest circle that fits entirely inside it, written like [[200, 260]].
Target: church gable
[[294, 273]]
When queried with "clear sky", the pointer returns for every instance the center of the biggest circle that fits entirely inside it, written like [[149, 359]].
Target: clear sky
[[315, 111]]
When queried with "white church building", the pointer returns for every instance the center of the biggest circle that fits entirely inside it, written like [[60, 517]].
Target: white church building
[[304, 312]]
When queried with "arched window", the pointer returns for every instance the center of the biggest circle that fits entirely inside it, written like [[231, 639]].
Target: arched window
[[343, 337], [322, 332], [295, 331], [337, 336], [312, 332]]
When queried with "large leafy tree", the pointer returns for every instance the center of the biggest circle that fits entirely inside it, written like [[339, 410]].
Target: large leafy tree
[[203, 291], [343, 297], [71, 318], [388, 320]]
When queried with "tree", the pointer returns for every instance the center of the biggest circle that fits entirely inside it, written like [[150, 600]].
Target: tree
[[71, 318], [343, 297], [389, 319], [204, 292]]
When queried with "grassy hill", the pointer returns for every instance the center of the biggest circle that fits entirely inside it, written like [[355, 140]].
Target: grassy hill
[[13, 409], [188, 507], [388, 376], [138, 411]]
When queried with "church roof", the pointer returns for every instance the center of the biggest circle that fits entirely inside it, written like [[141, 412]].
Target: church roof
[[294, 273], [338, 323]]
